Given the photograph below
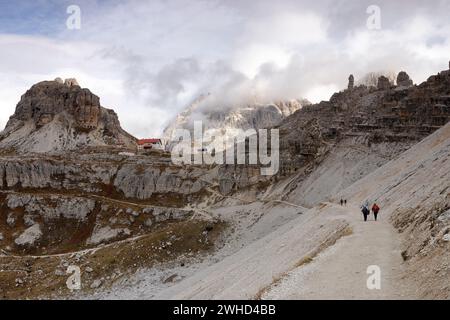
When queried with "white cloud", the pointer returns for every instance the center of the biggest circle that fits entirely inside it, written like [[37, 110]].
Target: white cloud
[[321, 93], [275, 39], [250, 58], [286, 29]]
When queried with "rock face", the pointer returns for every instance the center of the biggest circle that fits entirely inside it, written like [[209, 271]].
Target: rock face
[[383, 83], [403, 80], [367, 116], [66, 116], [29, 236], [54, 207], [139, 178], [47, 99], [351, 82]]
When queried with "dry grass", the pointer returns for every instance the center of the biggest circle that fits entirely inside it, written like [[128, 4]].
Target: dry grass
[[305, 260], [44, 277]]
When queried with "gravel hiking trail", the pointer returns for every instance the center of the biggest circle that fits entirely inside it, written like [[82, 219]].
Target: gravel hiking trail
[[341, 272]]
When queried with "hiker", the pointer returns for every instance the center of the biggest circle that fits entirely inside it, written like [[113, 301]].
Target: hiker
[[342, 202], [345, 202], [365, 210], [375, 210]]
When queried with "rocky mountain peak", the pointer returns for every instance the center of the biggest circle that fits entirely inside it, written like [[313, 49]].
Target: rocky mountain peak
[[245, 116], [47, 99], [66, 110], [383, 83]]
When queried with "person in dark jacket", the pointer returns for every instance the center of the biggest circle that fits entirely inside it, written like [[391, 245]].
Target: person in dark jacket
[[365, 212], [375, 210], [342, 202]]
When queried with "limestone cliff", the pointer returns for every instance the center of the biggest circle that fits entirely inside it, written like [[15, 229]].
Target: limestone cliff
[[57, 116]]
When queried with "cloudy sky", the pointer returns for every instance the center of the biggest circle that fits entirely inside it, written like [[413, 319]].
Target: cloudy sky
[[149, 59]]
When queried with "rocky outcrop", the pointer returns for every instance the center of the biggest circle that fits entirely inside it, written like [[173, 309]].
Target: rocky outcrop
[[139, 177], [47, 99], [71, 82], [351, 82], [52, 207], [54, 220], [46, 173], [403, 80], [234, 178], [383, 83], [106, 233], [366, 115], [29, 236], [143, 183], [65, 116]]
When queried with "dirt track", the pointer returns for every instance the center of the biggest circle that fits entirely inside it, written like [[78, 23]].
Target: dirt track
[[341, 271]]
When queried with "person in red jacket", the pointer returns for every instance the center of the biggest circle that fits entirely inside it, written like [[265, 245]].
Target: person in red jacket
[[375, 210]]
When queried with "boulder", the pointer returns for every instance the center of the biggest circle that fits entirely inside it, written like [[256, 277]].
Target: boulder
[[29, 236], [96, 284], [105, 234]]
